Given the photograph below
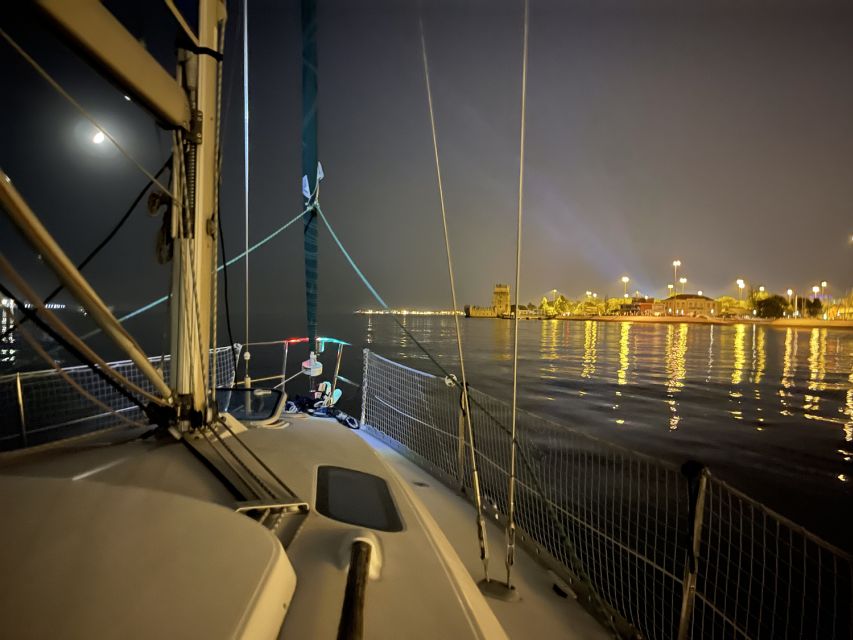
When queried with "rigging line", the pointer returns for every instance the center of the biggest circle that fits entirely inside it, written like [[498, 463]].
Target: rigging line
[[61, 328], [103, 243], [72, 350], [44, 74], [510, 521], [214, 279], [225, 293], [246, 354], [44, 355], [229, 84], [378, 298], [526, 464], [235, 259], [481, 523]]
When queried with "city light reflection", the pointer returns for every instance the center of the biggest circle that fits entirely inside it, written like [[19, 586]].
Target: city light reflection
[[590, 337], [624, 353], [739, 353]]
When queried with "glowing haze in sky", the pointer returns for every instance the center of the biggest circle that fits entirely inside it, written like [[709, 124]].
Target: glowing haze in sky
[[719, 133]]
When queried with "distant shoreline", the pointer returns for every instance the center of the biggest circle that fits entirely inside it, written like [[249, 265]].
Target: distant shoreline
[[803, 323]]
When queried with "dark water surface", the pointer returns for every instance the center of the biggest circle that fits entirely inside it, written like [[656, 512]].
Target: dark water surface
[[768, 409]]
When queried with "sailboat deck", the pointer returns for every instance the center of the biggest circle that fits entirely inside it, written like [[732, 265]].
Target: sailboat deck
[[427, 586]]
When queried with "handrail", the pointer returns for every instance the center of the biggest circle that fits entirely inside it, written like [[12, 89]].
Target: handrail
[[351, 626]]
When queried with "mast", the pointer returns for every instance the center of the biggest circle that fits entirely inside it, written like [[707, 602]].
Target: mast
[[188, 105], [309, 157], [194, 218]]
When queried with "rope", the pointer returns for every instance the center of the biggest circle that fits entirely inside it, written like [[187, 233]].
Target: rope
[[246, 355], [510, 521], [237, 258], [481, 523], [103, 243], [44, 74], [225, 295], [378, 298], [349, 259], [214, 280]]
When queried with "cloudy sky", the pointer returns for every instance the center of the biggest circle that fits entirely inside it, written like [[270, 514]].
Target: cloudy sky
[[719, 133]]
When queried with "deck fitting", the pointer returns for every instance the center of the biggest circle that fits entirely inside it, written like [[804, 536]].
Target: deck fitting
[[499, 590]]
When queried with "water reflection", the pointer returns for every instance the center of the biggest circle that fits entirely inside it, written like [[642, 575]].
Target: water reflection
[[548, 339], [624, 353], [817, 359], [759, 353], [676, 370], [590, 337], [501, 337], [739, 354]]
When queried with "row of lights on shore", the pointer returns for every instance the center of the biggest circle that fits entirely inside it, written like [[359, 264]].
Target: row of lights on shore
[[740, 282]]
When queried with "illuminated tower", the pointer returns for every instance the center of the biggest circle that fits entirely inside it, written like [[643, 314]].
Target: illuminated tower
[[500, 299]]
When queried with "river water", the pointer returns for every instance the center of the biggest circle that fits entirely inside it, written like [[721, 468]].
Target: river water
[[768, 409]]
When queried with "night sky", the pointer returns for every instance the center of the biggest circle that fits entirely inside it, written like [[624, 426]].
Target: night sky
[[719, 134]]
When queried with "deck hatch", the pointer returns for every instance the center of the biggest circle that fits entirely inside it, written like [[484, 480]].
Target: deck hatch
[[356, 498]]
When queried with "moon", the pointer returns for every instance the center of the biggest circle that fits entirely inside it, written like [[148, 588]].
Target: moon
[[99, 137]]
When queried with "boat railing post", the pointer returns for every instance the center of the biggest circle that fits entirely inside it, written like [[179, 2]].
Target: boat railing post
[[21, 416], [460, 441], [366, 356], [697, 479], [284, 368], [337, 368]]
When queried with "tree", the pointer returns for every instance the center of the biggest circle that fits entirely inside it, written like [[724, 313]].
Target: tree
[[731, 306], [813, 307], [771, 306]]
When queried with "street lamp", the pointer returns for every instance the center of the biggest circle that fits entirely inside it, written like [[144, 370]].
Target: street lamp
[[625, 281], [683, 281], [815, 291], [699, 292], [670, 288], [761, 288], [675, 265], [588, 294], [823, 286], [740, 285]]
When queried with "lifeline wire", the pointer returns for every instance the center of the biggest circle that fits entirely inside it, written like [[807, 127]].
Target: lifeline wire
[[510, 520], [478, 502]]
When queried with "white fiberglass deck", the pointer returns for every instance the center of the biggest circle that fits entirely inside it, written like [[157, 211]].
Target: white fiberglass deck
[[425, 590]]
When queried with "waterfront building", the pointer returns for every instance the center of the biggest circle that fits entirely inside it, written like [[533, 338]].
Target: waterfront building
[[500, 299], [7, 320], [500, 305], [687, 304], [637, 306]]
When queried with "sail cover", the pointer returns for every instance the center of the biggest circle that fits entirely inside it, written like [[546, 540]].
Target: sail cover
[[309, 156]]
